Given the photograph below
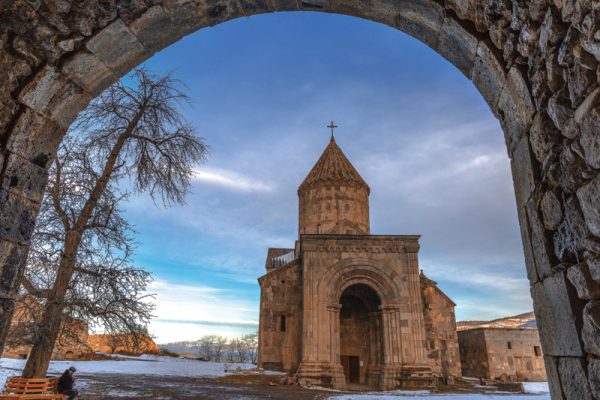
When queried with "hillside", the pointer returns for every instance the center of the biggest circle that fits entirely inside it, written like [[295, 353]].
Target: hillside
[[525, 320]]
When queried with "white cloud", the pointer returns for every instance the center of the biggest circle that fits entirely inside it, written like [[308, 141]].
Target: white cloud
[[187, 312], [467, 276], [230, 180]]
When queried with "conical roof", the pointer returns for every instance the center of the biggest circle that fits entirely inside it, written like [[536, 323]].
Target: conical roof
[[333, 168]]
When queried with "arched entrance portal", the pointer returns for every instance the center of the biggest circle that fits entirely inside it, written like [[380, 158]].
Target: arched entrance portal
[[361, 347]]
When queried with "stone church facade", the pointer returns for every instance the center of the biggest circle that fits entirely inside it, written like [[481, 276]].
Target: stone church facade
[[348, 307]]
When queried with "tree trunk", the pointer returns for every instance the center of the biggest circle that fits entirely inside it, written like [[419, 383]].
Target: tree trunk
[[39, 358], [52, 317]]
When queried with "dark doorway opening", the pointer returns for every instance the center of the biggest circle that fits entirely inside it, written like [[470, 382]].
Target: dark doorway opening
[[351, 366], [361, 339]]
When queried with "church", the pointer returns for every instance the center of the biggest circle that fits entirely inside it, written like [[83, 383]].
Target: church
[[347, 308]]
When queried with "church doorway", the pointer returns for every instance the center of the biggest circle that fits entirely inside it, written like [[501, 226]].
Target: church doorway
[[361, 347], [351, 365]]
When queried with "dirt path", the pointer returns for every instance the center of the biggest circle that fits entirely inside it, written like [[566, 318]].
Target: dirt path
[[114, 386]]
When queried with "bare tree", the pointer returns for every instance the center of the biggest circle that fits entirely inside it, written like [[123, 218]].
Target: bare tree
[[231, 351], [250, 341], [219, 347], [131, 134], [207, 343], [240, 350]]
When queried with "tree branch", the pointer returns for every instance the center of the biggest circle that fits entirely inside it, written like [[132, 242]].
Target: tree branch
[[32, 290]]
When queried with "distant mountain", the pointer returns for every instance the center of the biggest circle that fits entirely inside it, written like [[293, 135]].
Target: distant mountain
[[526, 320]]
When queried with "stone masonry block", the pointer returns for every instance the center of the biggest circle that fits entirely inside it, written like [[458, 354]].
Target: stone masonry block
[[465, 9], [522, 172], [155, 30], [470, 10], [590, 139], [551, 364], [556, 318], [17, 217], [488, 76], [53, 95], [589, 200], [251, 7], [591, 328], [117, 47], [515, 109], [592, 100], [551, 210], [12, 259], [594, 376], [185, 15], [383, 11], [422, 20], [23, 177], [458, 46], [532, 274], [217, 11], [580, 278], [541, 248], [594, 267], [66, 107], [543, 135], [35, 138], [89, 72], [573, 379], [38, 94]]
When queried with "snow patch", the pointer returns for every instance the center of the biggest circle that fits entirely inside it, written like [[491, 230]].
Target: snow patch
[[399, 395], [143, 365]]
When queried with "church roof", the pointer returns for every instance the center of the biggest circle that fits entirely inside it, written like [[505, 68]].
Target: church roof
[[333, 168]]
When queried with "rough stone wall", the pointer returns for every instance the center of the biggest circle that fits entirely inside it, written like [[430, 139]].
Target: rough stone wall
[[502, 354], [473, 353], [280, 296], [440, 330], [535, 62], [520, 362], [323, 208], [123, 344], [71, 343]]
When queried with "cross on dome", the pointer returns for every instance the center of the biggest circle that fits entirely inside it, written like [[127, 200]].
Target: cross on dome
[[332, 126]]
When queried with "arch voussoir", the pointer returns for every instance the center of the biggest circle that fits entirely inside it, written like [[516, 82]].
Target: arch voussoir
[[54, 96]]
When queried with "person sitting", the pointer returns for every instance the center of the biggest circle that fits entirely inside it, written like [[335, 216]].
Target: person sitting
[[66, 383]]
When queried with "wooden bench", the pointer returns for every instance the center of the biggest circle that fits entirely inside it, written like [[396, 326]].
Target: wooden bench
[[30, 389]]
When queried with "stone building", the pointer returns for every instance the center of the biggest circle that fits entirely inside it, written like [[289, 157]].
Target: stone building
[[72, 342], [124, 343], [502, 354], [348, 307]]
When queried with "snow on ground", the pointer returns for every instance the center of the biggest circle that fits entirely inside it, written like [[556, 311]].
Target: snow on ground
[[471, 396], [179, 367], [533, 391], [536, 387], [146, 365]]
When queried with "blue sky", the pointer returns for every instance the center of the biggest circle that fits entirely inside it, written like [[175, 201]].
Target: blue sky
[[263, 89]]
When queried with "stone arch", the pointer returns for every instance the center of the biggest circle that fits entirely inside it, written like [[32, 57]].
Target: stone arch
[[354, 271], [535, 63]]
